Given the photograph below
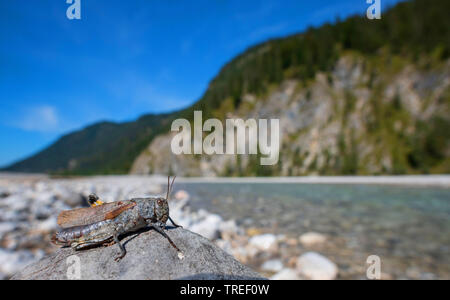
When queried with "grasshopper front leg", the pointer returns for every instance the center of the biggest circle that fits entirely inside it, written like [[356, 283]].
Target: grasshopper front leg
[[160, 228], [174, 224], [122, 248]]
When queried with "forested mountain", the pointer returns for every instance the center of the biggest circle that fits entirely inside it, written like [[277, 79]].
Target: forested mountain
[[364, 96]]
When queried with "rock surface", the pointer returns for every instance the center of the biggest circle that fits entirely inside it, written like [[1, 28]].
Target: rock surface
[[149, 256], [286, 274], [310, 239], [273, 265], [208, 227], [263, 242], [315, 266]]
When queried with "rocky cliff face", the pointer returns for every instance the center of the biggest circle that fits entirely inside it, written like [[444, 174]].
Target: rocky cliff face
[[369, 115]]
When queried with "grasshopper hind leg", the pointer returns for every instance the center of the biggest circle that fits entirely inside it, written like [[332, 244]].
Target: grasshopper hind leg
[[83, 244]]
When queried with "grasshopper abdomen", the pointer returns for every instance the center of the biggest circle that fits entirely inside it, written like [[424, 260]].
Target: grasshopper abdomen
[[82, 234]]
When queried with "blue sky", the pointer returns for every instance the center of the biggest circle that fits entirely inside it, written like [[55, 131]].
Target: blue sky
[[126, 58]]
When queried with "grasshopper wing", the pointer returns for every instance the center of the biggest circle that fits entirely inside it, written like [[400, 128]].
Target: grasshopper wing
[[89, 215]]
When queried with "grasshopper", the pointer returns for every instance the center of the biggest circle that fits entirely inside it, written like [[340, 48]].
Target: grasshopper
[[103, 223]]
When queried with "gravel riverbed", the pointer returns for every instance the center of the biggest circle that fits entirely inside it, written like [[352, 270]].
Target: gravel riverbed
[[268, 238]]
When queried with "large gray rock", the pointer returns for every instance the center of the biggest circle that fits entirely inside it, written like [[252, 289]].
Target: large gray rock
[[149, 256]]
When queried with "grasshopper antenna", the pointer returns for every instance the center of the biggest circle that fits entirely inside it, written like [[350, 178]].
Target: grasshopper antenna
[[169, 186], [169, 190]]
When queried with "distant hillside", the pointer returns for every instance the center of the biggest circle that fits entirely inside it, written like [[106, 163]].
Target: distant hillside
[[102, 148], [373, 125]]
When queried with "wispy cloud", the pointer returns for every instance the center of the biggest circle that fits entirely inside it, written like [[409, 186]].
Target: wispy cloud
[[43, 118], [149, 97], [144, 95]]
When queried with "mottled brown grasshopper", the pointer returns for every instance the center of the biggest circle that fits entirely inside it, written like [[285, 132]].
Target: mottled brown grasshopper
[[104, 223]]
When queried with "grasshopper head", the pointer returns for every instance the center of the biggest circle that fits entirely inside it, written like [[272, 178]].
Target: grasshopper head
[[162, 210], [153, 210]]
